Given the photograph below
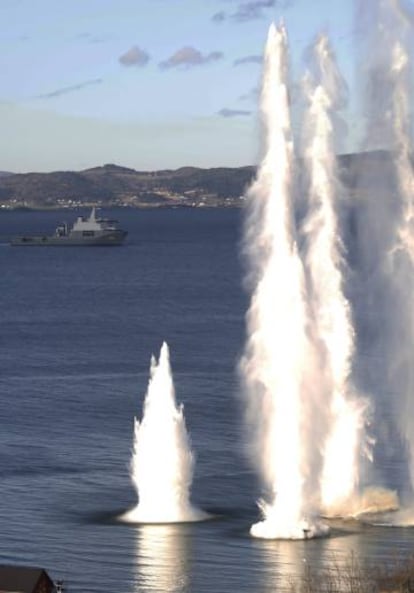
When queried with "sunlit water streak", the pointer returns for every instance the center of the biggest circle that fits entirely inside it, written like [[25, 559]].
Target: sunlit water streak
[[163, 559]]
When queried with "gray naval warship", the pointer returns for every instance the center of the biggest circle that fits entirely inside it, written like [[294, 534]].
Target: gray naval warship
[[89, 231]]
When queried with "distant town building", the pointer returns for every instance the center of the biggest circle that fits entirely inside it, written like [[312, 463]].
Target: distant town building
[[23, 579]]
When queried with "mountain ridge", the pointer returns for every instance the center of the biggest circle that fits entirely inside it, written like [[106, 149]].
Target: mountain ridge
[[112, 185]]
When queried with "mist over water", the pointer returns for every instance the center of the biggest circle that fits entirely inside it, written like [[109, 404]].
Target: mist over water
[[387, 255], [162, 463]]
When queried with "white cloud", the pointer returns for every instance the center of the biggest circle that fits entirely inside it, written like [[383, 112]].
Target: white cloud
[[188, 56], [250, 10], [248, 60], [225, 112], [69, 89], [135, 56]]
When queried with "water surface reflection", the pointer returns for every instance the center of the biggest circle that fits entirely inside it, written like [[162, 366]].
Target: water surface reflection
[[163, 559], [290, 566]]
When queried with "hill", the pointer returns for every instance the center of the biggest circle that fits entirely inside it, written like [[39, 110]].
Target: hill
[[113, 185]]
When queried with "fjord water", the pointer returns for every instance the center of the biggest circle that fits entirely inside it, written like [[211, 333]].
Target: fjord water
[[77, 329]]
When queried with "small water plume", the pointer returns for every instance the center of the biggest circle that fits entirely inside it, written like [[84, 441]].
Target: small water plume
[[162, 463], [278, 361], [341, 409]]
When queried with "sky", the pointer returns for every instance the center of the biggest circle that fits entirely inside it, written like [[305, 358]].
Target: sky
[[148, 84]]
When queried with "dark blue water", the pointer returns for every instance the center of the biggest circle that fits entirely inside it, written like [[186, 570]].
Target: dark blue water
[[77, 329]]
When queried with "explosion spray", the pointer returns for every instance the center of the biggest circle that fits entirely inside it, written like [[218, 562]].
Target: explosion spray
[[325, 270], [162, 462], [309, 421], [278, 354]]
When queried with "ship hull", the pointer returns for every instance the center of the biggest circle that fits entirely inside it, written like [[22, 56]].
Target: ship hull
[[113, 238]]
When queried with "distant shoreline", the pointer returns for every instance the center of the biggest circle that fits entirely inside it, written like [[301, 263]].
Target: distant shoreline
[[118, 207], [112, 186]]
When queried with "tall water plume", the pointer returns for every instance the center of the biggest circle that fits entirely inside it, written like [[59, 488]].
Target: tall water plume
[[278, 358], [162, 463], [325, 266]]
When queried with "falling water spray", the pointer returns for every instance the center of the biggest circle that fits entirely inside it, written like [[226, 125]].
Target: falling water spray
[[325, 270], [278, 352], [162, 463]]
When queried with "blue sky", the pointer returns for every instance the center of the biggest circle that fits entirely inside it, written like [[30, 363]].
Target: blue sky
[[148, 84]]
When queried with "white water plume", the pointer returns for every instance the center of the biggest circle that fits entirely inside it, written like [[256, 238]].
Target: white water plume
[[162, 462], [278, 359], [325, 269]]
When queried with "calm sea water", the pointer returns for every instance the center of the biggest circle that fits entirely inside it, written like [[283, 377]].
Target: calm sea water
[[78, 327]]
